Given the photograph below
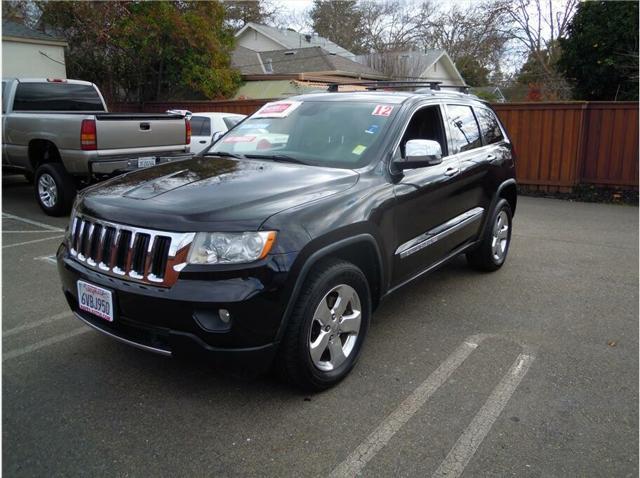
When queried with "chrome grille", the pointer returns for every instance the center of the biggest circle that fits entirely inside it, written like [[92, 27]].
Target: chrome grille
[[132, 253]]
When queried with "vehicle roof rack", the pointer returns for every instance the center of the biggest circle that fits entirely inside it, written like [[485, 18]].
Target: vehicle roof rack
[[392, 84]]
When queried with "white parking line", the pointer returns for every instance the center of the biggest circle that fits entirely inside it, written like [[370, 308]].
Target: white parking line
[[44, 343], [466, 446], [379, 438], [31, 242], [37, 323], [51, 259], [32, 222]]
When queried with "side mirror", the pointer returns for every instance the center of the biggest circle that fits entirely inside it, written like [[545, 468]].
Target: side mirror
[[216, 136], [420, 153]]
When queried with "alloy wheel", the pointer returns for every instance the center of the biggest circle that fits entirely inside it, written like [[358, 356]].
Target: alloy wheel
[[47, 190], [335, 327], [500, 239]]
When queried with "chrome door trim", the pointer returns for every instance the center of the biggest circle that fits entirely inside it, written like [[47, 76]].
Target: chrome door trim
[[440, 232]]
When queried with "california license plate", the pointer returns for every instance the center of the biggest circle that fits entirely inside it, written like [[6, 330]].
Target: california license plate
[[95, 300], [146, 162]]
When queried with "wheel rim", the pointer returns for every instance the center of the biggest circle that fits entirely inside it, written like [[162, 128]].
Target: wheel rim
[[500, 240], [47, 190], [335, 328]]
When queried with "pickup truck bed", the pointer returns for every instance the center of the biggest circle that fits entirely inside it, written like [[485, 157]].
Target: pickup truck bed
[[61, 128]]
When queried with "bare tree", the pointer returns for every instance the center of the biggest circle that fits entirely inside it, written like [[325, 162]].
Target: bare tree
[[394, 25], [538, 25], [478, 34]]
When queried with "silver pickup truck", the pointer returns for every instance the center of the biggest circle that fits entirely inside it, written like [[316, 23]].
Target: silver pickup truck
[[60, 135]]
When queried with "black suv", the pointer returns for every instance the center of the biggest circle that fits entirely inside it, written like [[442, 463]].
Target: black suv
[[278, 243]]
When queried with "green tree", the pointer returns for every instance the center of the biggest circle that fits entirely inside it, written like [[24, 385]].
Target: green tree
[[144, 51], [473, 72], [340, 22], [240, 12], [600, 54]]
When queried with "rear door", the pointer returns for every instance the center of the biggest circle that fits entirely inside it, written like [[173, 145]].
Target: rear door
[[200, 133]]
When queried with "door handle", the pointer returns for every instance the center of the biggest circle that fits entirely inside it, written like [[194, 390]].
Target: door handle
[[452, 171], [203, 141]]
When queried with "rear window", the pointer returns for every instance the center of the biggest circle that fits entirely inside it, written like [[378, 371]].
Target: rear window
[[200, 126], [56, 97], [491, 132]]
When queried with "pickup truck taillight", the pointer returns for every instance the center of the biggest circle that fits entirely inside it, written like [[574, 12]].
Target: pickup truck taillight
[[88, 137], [187, 125]]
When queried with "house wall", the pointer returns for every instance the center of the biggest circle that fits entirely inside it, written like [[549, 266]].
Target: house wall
[[439, 71], [256, 41], [25, 60]]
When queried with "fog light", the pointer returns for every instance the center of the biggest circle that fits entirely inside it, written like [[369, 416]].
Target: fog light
[[224, 315]]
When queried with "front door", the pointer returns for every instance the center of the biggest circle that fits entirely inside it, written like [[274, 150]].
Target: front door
[[428, 212]]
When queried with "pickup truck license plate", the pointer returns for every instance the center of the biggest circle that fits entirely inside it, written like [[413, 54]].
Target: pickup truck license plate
[[95, 300], [146, 162]]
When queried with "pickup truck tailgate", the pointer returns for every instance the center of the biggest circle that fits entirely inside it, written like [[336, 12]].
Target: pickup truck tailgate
[[118, 131]]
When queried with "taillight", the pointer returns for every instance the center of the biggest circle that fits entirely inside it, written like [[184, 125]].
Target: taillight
[[88, 137], [187, 125]]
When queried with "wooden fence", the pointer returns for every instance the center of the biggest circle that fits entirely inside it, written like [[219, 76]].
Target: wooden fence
[[562, 145], [559, 145]]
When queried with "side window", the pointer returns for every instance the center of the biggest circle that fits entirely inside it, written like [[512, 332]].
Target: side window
[[491, 132], [465, 134], [200, 126], [231, 121], [425, 124]]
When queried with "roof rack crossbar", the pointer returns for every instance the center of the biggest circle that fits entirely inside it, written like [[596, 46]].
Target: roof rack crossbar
[[399, 84]]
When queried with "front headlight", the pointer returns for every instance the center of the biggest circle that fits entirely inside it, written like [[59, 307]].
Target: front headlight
[[230, 247]]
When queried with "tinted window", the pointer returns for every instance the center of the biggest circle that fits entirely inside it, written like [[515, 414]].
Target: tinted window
[[200, 126], [231, 121], [56, 97], [489, 126], [464, 129], [425, 124]]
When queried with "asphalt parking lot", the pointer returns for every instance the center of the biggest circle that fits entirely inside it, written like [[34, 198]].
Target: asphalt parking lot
[[529, 371]]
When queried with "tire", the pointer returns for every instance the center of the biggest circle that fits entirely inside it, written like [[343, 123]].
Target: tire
[[54, 189], [317, 368], [492, 251]]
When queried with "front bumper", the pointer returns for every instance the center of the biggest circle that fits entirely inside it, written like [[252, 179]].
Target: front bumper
[[184, 319]]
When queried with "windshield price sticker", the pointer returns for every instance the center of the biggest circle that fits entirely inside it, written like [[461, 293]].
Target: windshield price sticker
[[239, 139], [382, 110], [278, 109]]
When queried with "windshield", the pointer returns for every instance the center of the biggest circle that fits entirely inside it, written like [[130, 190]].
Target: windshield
[[327, 133]]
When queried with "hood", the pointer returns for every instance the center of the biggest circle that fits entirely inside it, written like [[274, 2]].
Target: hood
[[207, 194]]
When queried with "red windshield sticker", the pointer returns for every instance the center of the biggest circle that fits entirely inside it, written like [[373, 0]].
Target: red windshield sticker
[[278, 109], [239, 139], [382, 110]]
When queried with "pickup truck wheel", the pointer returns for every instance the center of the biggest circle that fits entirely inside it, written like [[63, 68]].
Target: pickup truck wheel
[[494, 246], [54, 189], [327, 327]]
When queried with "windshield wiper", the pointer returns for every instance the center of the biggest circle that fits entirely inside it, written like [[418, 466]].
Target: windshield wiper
[[281, 158], [225, 154]]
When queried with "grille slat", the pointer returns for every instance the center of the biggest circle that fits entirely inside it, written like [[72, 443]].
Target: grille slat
[[138, 254]]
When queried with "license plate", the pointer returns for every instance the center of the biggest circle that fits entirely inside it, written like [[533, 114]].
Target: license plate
[[95, 300], [146, 162]]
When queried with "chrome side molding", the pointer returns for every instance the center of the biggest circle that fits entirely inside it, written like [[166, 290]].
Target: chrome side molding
[[440, 232]]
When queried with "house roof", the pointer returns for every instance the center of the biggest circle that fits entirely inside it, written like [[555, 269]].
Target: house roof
[[292, 39], [11, 29], [410, 64], [298, 60]]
